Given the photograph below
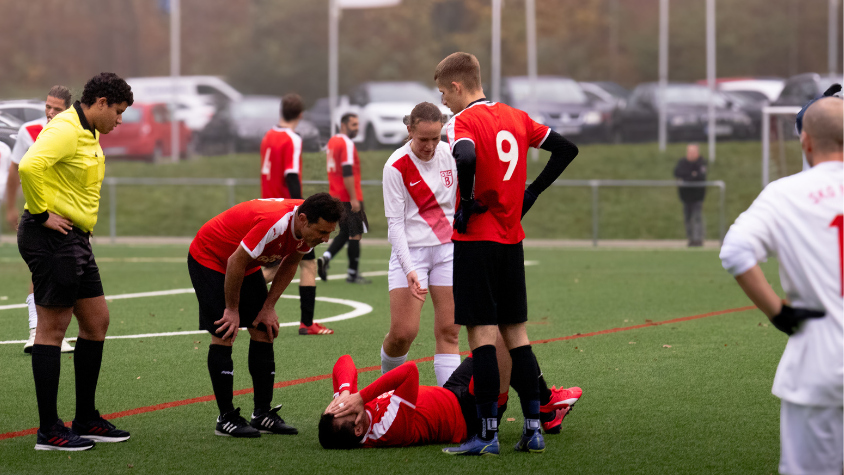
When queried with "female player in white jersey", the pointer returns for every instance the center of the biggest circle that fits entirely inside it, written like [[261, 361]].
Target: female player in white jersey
[[419, 196]]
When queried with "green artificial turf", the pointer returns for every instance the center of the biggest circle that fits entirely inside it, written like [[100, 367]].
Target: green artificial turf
[[702, 404]]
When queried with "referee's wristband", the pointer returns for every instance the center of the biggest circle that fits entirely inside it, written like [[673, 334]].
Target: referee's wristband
[[41, 218]]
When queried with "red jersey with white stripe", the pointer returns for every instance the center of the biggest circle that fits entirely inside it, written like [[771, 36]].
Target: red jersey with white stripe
[[401, 412], [281, 154], [423, 193], [264, 228], [341, 151], [26, 137], [501, 135]]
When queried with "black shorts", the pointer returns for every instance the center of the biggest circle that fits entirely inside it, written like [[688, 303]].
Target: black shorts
[[489, 283], [458, 383], [354, 223], [62, 265], [211, 294], [309, 256]]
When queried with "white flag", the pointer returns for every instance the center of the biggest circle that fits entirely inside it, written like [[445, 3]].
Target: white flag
[[366, 3]]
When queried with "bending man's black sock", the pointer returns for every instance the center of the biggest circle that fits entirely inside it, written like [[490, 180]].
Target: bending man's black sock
[[46, 368], [354, 257], [307, 302], [337, 243], [221, 369], [262, 369], [487, 382], [87, 360], [524, 380]]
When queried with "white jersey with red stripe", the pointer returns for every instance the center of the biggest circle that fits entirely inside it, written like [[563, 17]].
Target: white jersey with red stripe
[[5, 159], [26, 137], [423, 193]]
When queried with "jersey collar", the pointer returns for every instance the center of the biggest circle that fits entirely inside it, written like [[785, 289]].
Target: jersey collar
[[82, 120], [292, 224], [363, 439]]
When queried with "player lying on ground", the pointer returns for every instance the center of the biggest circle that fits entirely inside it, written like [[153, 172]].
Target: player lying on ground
[[395, 411], [224, 264]]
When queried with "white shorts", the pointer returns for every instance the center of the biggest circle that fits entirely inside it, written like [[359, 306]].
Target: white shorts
[[811, 440], [432, 264]]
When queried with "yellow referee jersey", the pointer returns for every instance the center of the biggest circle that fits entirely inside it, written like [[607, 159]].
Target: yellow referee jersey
[[63, 170]]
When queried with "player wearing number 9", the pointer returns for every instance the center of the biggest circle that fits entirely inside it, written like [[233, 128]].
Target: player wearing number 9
[[798, 219]]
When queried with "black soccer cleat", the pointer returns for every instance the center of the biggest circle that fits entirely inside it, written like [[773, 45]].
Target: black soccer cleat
[[60, 437], [270, 423], [231, 424], [99, 430], [322, 268]]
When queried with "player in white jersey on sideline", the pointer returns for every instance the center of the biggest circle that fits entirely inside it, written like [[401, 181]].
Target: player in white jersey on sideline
[[58, 99], [419, 196], [799, 220]]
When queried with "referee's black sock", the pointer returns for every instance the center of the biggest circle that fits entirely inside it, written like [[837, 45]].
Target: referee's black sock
[[87, 359], [307, 301], [337, 243], [487, 382], [354, 257], [221, 368], [262, 369], [46, 368], [524, 380]]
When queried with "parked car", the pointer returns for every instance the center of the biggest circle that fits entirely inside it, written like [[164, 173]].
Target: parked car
[[687, 115], [240, 126], [753, 89], [320, 116], [562, 105], [610, 87], [161, 88], [145, 133], [24, 110], [381, 107], [803, 88], [9, 127]]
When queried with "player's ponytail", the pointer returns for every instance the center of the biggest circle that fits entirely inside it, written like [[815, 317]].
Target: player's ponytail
[[423, 112]]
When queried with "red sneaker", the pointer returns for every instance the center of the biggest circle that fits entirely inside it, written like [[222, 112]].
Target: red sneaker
[[315, 329], [562, 401], [555, 426]]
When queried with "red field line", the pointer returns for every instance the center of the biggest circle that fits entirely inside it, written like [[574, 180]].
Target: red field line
[[294, 382]]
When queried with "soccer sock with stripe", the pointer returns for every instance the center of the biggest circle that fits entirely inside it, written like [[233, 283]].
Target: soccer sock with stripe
[[444, 365], [33, 315], [354, 257], [524, 380], [46, 368], [221, 369], [262, 369], [389, 363], [485, 373], [87, 360], [307, 302]]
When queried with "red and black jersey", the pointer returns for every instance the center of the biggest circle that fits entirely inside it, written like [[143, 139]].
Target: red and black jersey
[[281, 154], [341, 152], [264, 228], [501, 136]]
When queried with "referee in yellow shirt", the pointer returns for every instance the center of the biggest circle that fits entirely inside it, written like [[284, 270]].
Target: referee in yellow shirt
[[61, 175]]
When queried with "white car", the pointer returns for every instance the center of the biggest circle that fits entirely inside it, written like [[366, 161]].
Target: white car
[[24, 110], [196, 97], [759, 89], [381, 107]]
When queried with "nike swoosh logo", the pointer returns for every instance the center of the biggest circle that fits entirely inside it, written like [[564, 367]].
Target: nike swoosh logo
[[414, 184]]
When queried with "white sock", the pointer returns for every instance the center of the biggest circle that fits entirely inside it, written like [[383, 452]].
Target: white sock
[[390, 362], [326, 255], [33, 315], [444, 365]]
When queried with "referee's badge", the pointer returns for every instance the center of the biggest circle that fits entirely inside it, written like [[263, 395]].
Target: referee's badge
[[448, 178]]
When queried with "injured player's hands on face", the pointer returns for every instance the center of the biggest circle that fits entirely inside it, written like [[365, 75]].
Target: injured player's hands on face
[[345, 405]]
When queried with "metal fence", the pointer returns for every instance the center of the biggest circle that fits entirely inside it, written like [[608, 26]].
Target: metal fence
[[231, 183]]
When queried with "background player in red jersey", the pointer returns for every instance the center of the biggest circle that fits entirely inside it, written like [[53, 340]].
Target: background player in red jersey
[[343, 167], [224, 263], [281, 177], [489, 275]]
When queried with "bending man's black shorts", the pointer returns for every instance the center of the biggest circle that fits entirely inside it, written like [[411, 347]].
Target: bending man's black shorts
[[211, 294], [62, 265], [489, 283], [353, 223]]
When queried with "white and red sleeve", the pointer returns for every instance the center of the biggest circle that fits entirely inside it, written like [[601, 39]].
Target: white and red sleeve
[[344, 375], [538, 132], [459, 130], [263, 231], [347, 155], [26, 137], [293, 162], [750, 239]]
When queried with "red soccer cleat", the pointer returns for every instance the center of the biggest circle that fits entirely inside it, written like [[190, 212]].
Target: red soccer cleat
[[314, 329], [562, 401]]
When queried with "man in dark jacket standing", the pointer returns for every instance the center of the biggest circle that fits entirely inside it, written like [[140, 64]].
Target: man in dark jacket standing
[[692, 168]]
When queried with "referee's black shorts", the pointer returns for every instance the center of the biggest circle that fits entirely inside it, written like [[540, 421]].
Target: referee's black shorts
[[211, 294], [62, 265], [489, 283], [354, 223]]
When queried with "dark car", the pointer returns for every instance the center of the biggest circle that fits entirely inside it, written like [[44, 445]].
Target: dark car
[[239, 126], [560, 104], [9, 127], [687, 115], [320, 116], [803, 88]]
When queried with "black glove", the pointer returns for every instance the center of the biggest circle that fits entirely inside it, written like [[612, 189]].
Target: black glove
[[789, 319], [468, 207], [530, 199]]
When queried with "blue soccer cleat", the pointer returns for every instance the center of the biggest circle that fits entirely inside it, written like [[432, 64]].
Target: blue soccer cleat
[[476, 446], [534, 444]]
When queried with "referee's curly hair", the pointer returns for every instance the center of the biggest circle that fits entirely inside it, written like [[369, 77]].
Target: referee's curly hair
[[108, 85]]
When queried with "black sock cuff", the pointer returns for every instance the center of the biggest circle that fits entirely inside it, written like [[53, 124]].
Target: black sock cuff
[[485, 351], [82, 343], [47, 350], [522, 352], [261, 349], [307, 291]]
